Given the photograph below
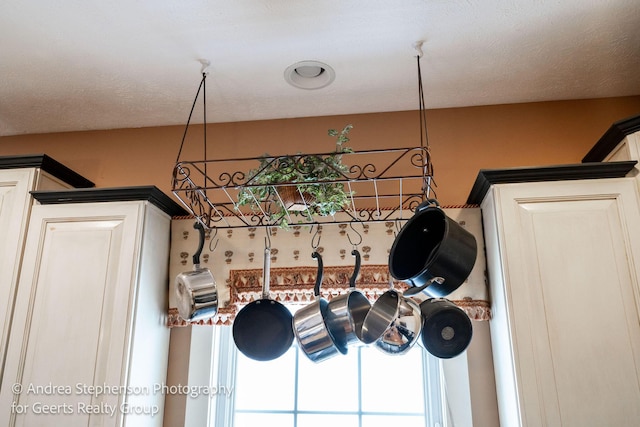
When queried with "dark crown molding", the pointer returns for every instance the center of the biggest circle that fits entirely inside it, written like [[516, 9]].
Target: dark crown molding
[[487, 177], [611, 138], [120, 194], [48, 165]]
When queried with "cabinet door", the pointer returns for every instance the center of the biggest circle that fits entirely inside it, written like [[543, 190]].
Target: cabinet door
[[73, 315], [564, 271], [14, 212]]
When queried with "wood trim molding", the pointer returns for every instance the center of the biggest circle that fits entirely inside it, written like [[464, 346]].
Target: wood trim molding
[[117, 194], [487, 177], [48, 165], [611, 138]]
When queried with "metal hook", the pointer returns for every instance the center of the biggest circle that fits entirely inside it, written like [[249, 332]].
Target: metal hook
[[318, 235], [205, 64], [397, 226], [418, 47], [215, 233], [355, 245]]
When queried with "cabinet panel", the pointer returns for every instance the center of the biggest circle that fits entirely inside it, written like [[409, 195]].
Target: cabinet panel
[[14, 209], [75, 301], [567, 275]]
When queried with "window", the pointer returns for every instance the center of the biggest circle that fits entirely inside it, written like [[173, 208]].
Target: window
[[365, 388]]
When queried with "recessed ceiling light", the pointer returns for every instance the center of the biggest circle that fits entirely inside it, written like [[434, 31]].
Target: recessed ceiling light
[[309, 75]]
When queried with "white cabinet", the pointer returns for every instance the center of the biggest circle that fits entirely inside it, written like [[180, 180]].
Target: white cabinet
[[18, 176], [620, 142], [564, 267], [89, 339]]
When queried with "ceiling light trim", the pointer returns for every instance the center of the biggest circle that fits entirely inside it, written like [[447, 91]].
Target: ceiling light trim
[[309, 75]]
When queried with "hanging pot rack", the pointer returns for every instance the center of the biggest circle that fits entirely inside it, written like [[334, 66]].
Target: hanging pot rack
[[384, 185]]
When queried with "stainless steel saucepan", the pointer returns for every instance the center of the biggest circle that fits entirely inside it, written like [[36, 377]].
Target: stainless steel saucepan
[[314, 338], [394, 322], [197, 295], [346, 312]]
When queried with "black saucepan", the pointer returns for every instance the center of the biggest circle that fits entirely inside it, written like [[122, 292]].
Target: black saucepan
[[262, 329], [446, 328], [431, 245]]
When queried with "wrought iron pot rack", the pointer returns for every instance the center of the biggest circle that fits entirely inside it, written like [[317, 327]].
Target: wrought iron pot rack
[[384, 185]]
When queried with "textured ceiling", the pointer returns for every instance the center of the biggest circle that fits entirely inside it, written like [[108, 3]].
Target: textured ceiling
[[70, 65]]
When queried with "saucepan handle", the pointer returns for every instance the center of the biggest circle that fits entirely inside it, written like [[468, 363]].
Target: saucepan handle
[[196, 256], [316, 288], [356, 270], [417, 289], [427, 204]]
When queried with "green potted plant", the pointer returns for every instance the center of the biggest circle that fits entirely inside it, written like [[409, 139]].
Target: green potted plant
[[287, 186]]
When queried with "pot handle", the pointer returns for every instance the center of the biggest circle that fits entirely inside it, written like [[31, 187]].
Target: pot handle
[[426, 204], [356, 270], [316, 288], [196, 256], [266, 273], [417, 289]]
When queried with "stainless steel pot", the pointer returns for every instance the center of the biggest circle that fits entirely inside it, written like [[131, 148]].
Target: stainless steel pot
[[394, 322], [196, 292], [310, 328], [431, 245], [346, 312]]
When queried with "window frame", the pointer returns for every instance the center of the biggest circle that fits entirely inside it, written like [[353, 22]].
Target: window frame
[[223, 367]]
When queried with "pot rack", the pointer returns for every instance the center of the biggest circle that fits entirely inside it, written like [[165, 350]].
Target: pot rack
[[383, 185]]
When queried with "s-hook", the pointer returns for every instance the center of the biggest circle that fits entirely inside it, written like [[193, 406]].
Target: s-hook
[[317, 234], [355, 245], [215, 233]]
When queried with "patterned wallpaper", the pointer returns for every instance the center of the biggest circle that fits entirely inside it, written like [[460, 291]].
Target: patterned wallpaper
[[235, 258]]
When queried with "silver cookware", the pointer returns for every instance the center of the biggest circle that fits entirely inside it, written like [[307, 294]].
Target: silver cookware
[[394, 323], [346, 312], [311, 331], [196, 292]]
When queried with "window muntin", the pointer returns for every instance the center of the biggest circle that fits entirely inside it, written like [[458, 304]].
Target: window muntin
[[364, 388]]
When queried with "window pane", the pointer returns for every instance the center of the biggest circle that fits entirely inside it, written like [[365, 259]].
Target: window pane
[[324, 420], [330, 385], [386, 377], [262, 419], [392, 420], [265, 385]]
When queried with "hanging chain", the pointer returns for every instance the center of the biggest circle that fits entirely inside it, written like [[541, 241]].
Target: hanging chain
[[186, 128], [427, 165]]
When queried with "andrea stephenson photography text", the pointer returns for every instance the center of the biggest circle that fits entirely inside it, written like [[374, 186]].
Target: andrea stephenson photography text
[[103, 399]]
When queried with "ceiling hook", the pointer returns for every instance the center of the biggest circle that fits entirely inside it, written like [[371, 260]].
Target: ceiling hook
[[205, 65], [355, 245], [418, 47]]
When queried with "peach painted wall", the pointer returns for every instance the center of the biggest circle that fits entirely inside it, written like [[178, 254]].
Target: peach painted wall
[[462, 140]]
